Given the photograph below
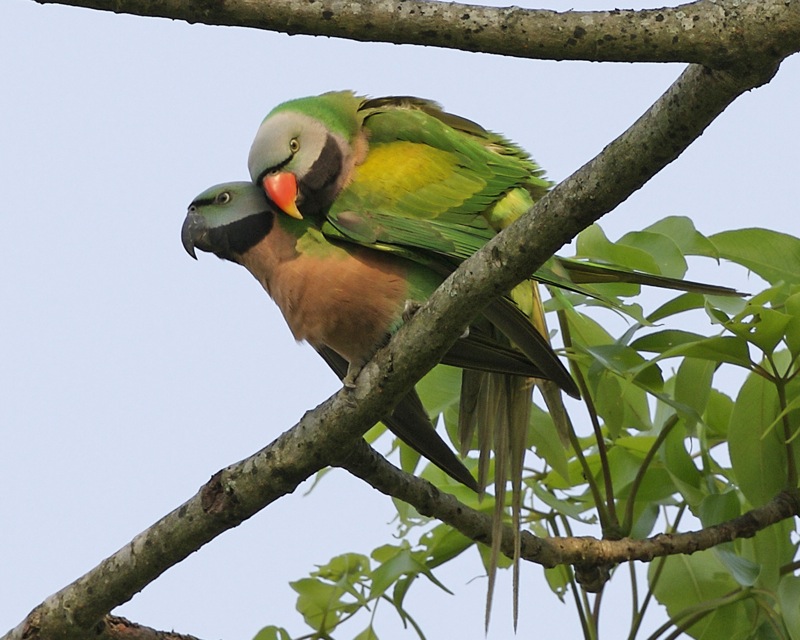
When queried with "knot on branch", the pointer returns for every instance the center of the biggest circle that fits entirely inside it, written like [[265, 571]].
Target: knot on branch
[[216, 498], [593, 577]]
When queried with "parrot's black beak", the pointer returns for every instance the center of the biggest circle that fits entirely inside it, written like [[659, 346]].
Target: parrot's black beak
[[194, 233]]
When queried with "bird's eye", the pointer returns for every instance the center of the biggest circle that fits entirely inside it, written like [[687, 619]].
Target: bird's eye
[[224, 198], [294, 145], [192, 208]]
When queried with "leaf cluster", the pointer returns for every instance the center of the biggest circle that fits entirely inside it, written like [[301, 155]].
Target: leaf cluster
[[690, 417]]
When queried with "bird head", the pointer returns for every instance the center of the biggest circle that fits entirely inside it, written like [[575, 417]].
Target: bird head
[[227, 220], [299, 151]]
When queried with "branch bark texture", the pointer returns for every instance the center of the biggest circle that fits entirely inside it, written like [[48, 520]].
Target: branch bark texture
[[716, 33]]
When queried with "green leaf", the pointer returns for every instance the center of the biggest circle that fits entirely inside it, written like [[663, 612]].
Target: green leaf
[[586, 330], [679, 304], [396, 563], [693, 583], [719, 349], [744, 571], [626, 362], [664, 341], [661, 248], [719, 507], [367, 634], [570, 508], [558, 579], [319, 603], [273, 633], [620, 404], [717, 415], [443, 543], [409, 458], [543, 437], [644, 519], [346, 565], [757, 455], [771, 548], [593, 243], [400, 563], [440, 388], [503, 561], [681, 467], [760, 326], [788, 598], [684, 234], [671, 343], [773, 256], [624, 466], [693, 383]]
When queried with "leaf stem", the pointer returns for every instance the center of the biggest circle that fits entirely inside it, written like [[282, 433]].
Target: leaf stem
[[637, 621], [627, 523], [791, 465], [609, 520]]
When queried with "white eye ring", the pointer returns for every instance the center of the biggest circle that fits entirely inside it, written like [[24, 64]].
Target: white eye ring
[[294, 145], [224, 197]]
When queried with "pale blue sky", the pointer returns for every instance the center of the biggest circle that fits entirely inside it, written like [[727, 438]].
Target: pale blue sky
[[130, 373]]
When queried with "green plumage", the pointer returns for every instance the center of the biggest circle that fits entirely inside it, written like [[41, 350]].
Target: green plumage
[[407, 191]]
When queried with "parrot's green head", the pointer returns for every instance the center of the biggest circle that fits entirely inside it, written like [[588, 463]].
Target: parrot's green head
[[301, 150], [227, 220]]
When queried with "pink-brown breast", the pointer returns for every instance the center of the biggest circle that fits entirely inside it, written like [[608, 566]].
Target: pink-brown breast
[[346, 299]]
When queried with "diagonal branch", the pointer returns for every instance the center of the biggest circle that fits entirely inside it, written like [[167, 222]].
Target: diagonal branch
[[717, 34], [326, 435]]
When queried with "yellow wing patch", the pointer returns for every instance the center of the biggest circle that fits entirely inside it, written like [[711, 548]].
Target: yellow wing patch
[[411, 179]]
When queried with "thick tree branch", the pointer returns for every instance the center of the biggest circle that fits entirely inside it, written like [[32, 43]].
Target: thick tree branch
[[325, 436], [718, 34]]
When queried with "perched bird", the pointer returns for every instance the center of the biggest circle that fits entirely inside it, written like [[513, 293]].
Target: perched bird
[[346, 300]]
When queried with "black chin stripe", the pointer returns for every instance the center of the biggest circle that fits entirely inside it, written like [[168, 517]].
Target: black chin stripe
[[237, 237], [326, 169]]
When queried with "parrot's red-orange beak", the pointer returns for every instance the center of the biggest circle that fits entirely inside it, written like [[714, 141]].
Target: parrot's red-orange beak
[[281, 188]]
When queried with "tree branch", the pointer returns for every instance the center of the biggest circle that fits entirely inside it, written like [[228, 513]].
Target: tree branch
[[326, 435], [717, 34], [365, 463], [117, 628]]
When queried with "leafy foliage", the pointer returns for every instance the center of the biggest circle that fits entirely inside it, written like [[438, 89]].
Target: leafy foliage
[[664, 442]]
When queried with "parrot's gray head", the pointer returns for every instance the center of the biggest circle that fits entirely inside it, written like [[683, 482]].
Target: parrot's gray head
[[286, 141], [227, 220]]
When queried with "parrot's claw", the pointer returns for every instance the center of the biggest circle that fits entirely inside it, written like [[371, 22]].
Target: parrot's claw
[[349, 381], [409, 309]]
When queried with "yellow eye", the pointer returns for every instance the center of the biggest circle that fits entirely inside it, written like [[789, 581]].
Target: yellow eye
[[224, 198], [294, 145]]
